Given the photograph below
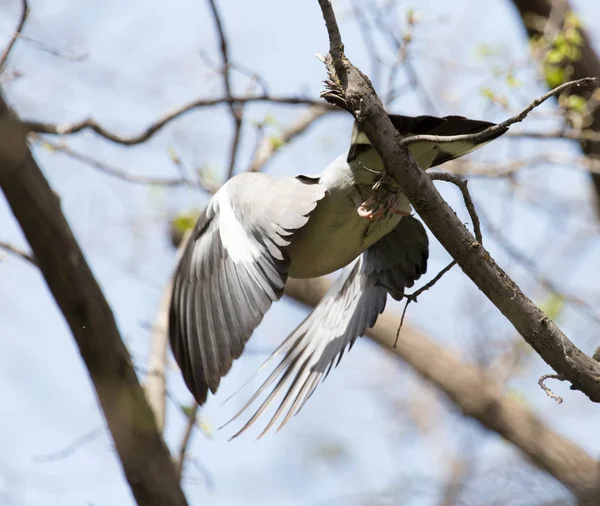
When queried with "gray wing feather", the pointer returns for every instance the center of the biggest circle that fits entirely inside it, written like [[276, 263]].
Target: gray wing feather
[[232, 269], [350, 306]]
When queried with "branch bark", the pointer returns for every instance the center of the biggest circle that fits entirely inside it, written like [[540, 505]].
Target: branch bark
[[477, 397], [143, 454], [352, 89]]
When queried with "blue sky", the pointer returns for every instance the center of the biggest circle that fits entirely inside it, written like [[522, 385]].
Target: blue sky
[[124, 64]]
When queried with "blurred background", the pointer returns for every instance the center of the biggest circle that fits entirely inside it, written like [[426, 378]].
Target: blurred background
[[375, 433]]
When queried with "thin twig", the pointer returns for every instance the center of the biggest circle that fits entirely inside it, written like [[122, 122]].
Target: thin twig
[[236, 109], [28, 257], [72, 447], [153, 128], [462, 186], [485, 134], [412, 297], [550, 393], [122, 174], [15, 36]]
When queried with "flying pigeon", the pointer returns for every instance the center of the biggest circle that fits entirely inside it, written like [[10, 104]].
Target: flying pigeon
[[259, 229]]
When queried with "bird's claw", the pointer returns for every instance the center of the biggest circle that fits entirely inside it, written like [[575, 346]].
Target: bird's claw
[[371, 208]]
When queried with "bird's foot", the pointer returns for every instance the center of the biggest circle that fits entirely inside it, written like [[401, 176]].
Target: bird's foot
[[372, 208]]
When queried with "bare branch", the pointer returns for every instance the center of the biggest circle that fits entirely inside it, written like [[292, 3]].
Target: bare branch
[[116, 172], [477, 396], [143, 454], [267, 147], [155, 385], [354, 92], [517, 118], [153, 128], [550, 393], [15, 36], [462, 186], [412, 297], [28, 257], [71, 448], [236, 109]]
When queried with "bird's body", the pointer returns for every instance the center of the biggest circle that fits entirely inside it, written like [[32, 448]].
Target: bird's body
[[335, 226], [257, 230]]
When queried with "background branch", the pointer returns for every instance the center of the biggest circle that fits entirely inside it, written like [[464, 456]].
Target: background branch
[[478, 397], [15, 36], [236, 108], [153, 128], [142, 452]]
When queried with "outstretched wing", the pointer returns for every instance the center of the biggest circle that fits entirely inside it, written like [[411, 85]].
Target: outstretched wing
[[231, 271], [349, 307]]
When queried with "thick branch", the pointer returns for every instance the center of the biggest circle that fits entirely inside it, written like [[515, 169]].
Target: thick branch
[[535, 326], [142, 452], [477, 397]]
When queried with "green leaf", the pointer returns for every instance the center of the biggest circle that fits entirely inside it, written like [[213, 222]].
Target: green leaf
[[512, 81], [276, 142], [270, 120], [555, 76], [186, 221], [576, 103]]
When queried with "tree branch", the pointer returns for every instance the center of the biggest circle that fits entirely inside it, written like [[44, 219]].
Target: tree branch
[[153, 128], [142, 452], [15, 36], [477, 397], [120, 173], [155, 386], [358, 97], [236, 108], [517, 118]]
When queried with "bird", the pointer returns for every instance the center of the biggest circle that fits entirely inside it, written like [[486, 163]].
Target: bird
[[257, 230]]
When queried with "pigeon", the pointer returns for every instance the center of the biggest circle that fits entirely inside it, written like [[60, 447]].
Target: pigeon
[[257, 230]]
